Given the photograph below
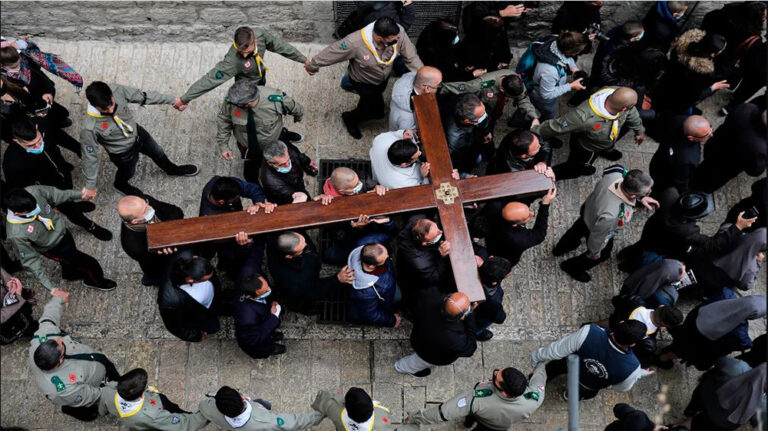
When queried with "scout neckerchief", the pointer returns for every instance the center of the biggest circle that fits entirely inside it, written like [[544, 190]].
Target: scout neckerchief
[[625, 214], [14, 219], [597, 103], [367, 34], [259, 61], [127, 408], [351, 425], [124, 127], [241, 419]]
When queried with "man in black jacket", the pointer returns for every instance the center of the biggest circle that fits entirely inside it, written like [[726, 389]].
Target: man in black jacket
[[492, 271], [34, 158], [444, 330], [508, 237], [136, 213], [661, 24], [738, 145], [282, 173], [190, 298], [521, 150], [295, 268], [422, 259], [256, 320], [679, 152]]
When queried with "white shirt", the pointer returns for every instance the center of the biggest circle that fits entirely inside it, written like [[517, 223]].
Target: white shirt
[[202, 292], [387, 174]]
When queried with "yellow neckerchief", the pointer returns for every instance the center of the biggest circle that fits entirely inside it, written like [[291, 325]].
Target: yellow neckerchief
[[615, 118], [124, 127], [13, 219], [129, 414], [259, 61], [373, 51]]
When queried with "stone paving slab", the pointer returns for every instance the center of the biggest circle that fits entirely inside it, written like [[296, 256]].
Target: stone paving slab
[[541, 301]]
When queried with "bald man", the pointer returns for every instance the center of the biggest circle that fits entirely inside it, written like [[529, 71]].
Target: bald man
[[508, 237], [679, 152], [426, 80], [136, 213], [594, 127], [444, 330]]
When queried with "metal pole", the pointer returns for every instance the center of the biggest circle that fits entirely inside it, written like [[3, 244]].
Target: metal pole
[[573, 392]]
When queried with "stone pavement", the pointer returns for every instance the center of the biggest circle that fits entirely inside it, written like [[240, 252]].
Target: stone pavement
[[542, 302]]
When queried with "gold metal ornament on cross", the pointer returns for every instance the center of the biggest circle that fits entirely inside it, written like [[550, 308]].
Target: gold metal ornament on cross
[[446, 193]]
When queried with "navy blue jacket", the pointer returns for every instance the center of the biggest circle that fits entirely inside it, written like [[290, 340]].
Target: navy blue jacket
[[254, 325], [375, 309]]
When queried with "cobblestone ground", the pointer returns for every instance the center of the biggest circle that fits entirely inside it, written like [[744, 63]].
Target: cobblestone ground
[[542, 302]]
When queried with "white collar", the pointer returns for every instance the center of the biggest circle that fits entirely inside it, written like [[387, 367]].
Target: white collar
[[14, 218], [598, 102], [126, 407], [241, 419], [351, 425]]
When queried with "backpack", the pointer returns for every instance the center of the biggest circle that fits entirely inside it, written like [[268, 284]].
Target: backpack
[[526, 67]]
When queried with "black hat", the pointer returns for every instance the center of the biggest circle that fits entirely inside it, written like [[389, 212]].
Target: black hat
[[695, 205], [359, 405], [229, 402]]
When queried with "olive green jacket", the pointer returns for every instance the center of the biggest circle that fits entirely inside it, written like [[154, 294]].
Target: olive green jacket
[[150, 416], [487, 88], [261, 418]]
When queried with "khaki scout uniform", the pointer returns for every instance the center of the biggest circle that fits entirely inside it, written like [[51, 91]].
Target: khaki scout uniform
[[487, 88], [261, 418], [267, 115], [591, 130], [104, 130], [485, 403], [332, 406], [74, 383], [32, 238], [149, 415], [363, 64], [233, 64]]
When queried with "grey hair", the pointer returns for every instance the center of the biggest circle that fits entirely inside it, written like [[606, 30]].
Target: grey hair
[[465, 107], [637, 182], [276, 149], [288, 241], [243, 91]]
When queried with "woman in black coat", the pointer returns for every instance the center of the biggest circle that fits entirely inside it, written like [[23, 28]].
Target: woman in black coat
[[438, 47]]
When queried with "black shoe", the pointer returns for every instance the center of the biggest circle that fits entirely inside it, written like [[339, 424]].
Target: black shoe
[[128, 190], [276, 336], [99, 232], [292, 136], [85, 206], [561, 249], [423, 373], [105, 287], [485, 335], [184, 170], [587, 170], [555, 142], [612, 155], [277, 349], [577, 274], [63, 124], [351, 126]]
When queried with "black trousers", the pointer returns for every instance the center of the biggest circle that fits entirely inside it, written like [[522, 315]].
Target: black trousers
[[371, 103], [126, 162], [560, 367], [252, 164], [578, 160], [571, 241], [76, 265]]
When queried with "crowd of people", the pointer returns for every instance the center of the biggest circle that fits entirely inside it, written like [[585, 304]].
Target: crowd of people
[[647, 77]]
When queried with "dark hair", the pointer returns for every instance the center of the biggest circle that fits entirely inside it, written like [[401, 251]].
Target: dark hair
[[370, 253], [226, 189], [20, 201], [710, 44], [47, 355], [465, 107], [99, 94], [287, 242], [420, 228], [670, 316], [571, 43], [494, 270], [251, 284], [513, 381], [243, 37], [358, 404], [401, 151], [517, 142], [386, 27], [195, 268], [8, 55], [630, 28], [229, 402], [24, 129], [512, 85], [132, 384], [637, 182], [629, 332]]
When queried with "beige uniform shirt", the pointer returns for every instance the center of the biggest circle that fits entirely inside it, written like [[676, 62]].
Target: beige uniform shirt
[[261, 418], [150, 415]]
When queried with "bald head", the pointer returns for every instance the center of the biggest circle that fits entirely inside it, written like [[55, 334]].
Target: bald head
[[131, 208], [621, 99], [696, 126], [516, 213], [427, 79], [343, 179], [457, 305]]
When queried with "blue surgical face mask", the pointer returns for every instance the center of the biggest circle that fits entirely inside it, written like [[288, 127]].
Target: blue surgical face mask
[[358, 188], [264, 295], [286, 169], [149, 215], [482, 118], [638, 37], [32, 213], [437, 239], [455, 40], [36, 150]]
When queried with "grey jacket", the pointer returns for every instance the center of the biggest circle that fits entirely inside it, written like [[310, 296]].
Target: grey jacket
[[605, 212], [401, 116]]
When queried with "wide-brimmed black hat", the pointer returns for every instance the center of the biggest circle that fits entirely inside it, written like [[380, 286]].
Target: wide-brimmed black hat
[[695, 205]]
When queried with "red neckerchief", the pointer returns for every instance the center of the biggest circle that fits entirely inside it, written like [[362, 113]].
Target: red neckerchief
[[330, 190]]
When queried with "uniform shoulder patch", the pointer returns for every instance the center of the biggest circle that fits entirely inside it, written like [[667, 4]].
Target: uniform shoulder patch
[[462, 87], [564, 123], [218, 74], [275, 98], [78, 398], [343, 45], [88, 148], [72, 378], [531, 396], [487, 84], [462, 402], [280, 421], [60, 387], [175, 420], [481, 393]]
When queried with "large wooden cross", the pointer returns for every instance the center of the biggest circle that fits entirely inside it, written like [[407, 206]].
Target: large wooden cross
[[444, 193]]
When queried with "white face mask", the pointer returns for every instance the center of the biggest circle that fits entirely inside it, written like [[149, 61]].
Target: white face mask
[[437, 239], [149, 215], [455, 40], [482, 118]]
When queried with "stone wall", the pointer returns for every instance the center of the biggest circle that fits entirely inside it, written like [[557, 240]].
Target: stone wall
[[304, 21]]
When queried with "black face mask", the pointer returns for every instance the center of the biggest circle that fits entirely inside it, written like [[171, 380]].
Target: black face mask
[[391, 43]]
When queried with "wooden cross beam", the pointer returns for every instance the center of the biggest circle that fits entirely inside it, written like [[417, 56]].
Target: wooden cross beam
[[444, 193]]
